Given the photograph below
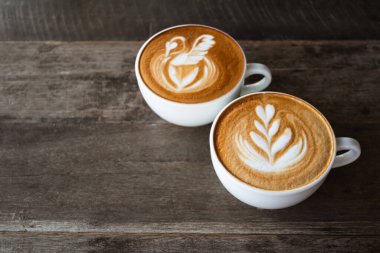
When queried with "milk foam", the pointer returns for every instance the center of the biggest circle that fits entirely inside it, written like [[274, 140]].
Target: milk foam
[[184, 68], [268, 141]]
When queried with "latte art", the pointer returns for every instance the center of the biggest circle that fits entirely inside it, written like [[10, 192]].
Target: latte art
[[273, 141], [267, 138], [191, 64], [182, 68]]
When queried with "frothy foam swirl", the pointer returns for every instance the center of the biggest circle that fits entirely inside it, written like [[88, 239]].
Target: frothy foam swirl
[[183, 68], [272, 149], [191, 64]]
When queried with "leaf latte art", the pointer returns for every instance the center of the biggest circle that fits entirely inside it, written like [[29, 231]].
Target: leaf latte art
[[185, 68], [273, 141], [267, 139]]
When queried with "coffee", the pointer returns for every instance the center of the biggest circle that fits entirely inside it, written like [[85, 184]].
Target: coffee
[[192, 64], [274, 141]]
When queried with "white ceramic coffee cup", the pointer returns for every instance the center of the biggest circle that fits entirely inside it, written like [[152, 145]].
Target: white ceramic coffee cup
[[198, 114], [268, 199]]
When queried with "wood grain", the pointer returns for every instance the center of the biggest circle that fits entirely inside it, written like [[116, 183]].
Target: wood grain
[[90, 81], [94, 243], [149, 178], [86, 166], [73, 20]]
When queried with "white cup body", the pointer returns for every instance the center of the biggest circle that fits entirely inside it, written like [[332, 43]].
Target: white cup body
[[183, 114], [260, 198], [189, 115]]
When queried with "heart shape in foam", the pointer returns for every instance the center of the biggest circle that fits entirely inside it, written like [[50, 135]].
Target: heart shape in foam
[[182, 76]]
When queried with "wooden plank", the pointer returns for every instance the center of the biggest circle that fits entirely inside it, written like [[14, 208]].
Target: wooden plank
[[81, 152], [64, 242], [89, 81], [137, 19], [150, 178]]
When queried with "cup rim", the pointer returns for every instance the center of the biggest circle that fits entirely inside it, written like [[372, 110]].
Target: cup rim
[[264, 191], [174, 103]]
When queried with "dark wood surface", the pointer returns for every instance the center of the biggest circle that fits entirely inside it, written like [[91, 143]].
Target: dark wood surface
[[72, 20], [86, 166], [173, 243]]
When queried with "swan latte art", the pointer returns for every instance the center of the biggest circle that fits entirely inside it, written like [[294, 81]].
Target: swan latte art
[[274, 141], [192, 64]]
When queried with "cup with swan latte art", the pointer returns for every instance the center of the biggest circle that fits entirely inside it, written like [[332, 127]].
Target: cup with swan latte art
[[188, 73], [273, 150]]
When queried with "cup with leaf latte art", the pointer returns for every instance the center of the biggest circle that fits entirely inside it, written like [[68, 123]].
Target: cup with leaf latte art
[[188, 73], [273, 150]]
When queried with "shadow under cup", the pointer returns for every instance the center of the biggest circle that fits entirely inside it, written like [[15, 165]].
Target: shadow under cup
[[275, 199]]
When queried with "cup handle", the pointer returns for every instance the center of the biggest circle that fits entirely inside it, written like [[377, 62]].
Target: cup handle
[[256, 69], [352, 153]]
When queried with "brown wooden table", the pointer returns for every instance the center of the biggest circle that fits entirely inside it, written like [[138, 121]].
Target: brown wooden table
[[86, 166]]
